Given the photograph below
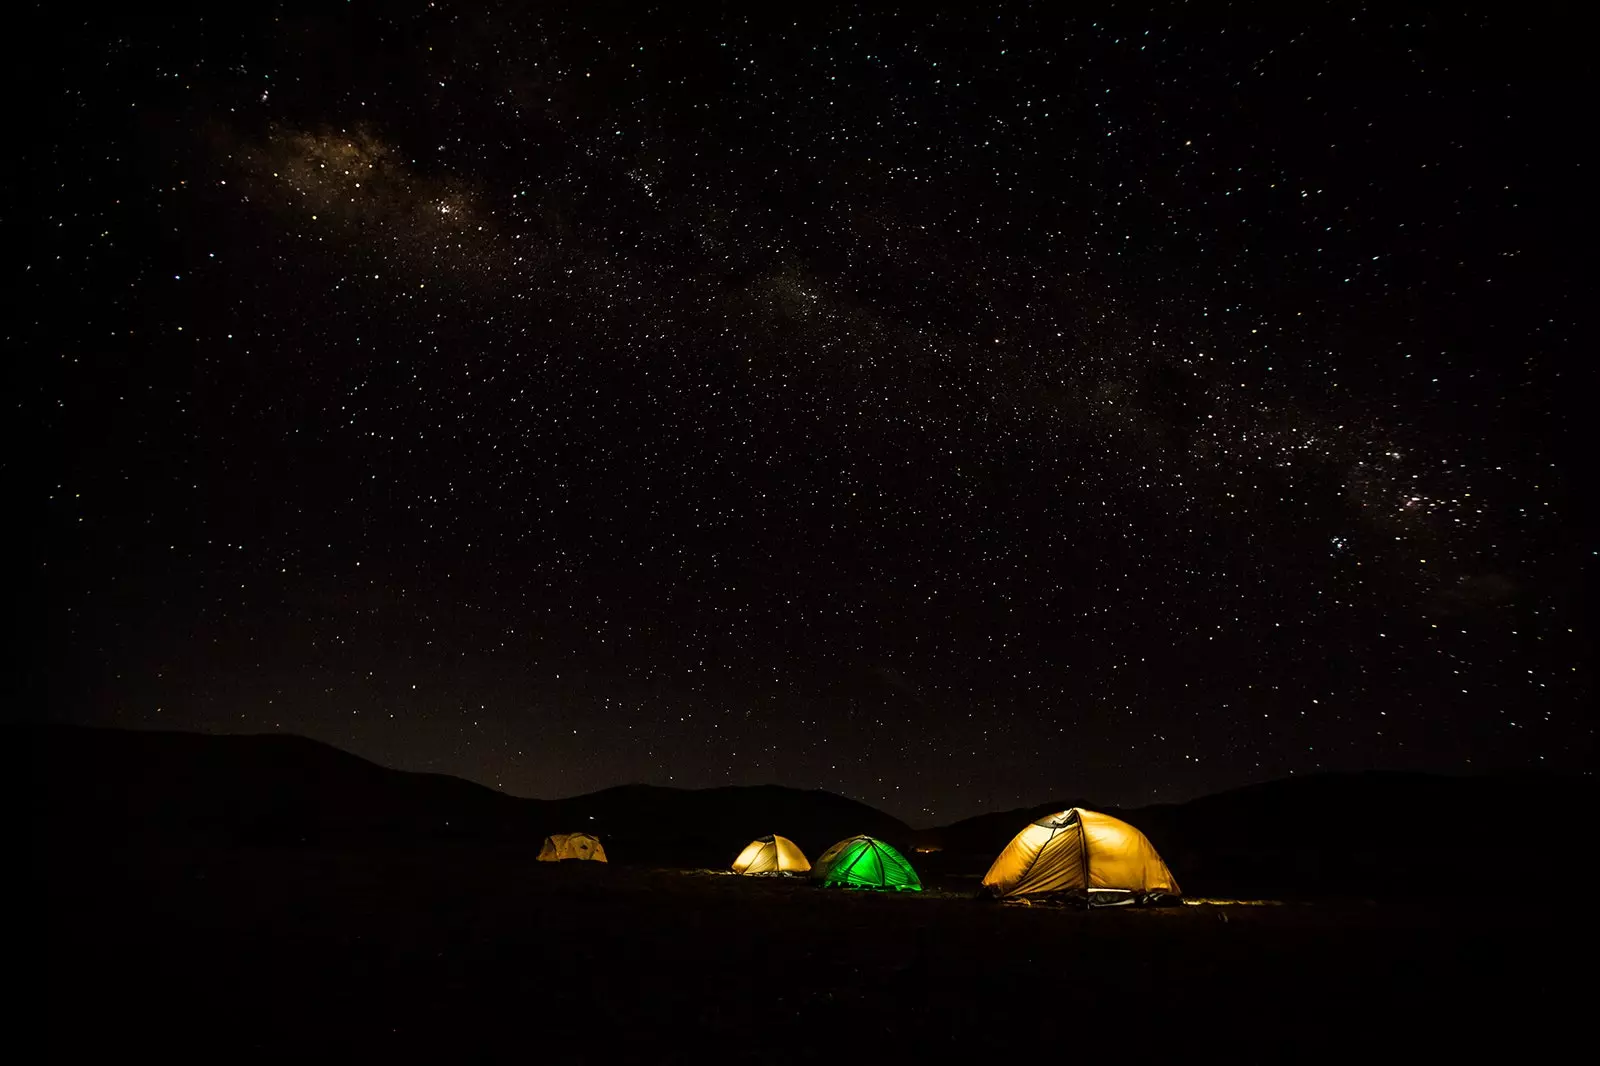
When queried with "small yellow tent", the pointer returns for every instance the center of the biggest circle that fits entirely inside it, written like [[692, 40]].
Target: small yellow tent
[[1083, 853], [561, 846], [771, 855]]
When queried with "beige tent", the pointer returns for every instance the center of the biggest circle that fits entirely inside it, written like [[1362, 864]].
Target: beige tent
[[771, 855], [1082, 853], [560, 846]]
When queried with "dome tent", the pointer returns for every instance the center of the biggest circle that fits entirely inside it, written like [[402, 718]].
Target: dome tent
[[559, 847], [865, 862], [1081, 853], [771, 855]]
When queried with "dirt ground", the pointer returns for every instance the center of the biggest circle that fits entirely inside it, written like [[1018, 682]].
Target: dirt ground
[[482, 955]]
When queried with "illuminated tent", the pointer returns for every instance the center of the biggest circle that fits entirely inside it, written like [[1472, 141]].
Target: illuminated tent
[[865, 862], [561, 846], [771, 855], [1081, 853]]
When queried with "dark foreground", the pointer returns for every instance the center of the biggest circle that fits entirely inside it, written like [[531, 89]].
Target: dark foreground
[[458, 955]]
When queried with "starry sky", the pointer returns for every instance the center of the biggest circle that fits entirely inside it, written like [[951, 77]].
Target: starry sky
[[953, 408]]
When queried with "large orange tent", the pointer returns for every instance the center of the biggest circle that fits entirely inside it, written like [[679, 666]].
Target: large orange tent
[[1081, 853], [559, 847], [771, 855]]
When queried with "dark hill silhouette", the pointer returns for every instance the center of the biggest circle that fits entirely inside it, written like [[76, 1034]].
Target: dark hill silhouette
[[1373, 835], [257, 790], [102, 785], [1368, 835], [708, 827], [983, 835], [1380, 835]]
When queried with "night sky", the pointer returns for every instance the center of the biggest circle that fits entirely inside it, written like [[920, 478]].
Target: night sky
[[953, 411]]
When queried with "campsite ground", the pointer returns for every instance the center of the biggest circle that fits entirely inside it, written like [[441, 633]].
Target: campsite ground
[[480, 954]]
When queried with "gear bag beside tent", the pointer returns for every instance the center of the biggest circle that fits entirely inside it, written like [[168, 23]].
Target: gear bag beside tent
[[1084, 854]]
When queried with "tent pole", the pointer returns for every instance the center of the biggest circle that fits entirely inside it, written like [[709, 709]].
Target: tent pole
[[1083, 851]]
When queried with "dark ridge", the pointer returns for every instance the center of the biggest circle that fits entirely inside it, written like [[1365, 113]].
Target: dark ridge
[[708, 827], [983, 835], [99, 786], [1371, 835], [1379, 835], [265, 790], [1364, 835]]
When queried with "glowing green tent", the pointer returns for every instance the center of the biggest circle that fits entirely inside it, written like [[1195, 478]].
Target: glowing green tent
[[864, 862]]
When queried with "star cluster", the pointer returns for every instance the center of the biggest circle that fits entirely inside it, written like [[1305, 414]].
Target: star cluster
[[946, 408]]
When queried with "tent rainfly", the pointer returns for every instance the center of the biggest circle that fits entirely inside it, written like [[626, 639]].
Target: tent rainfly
[[1084, 854], [865, 862], [771, 855], [559, 847]]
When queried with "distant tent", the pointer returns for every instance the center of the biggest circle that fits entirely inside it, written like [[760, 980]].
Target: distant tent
[[562, 846], [864, 862], [1081, 853], [771, 855]]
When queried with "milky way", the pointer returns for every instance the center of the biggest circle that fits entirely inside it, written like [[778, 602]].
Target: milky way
[[950, 410]]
